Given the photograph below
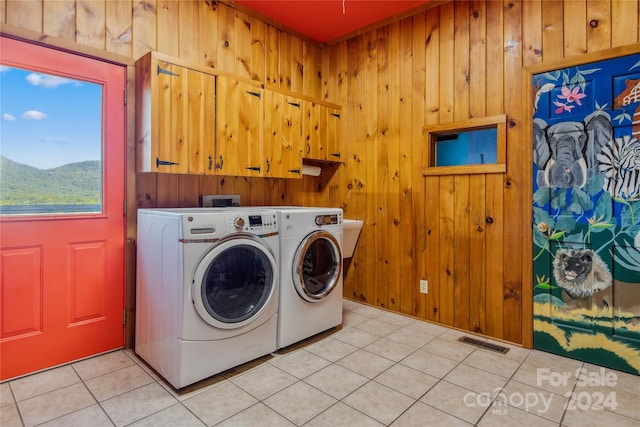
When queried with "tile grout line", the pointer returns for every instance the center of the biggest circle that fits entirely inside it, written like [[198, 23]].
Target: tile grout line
[[511, 379], [369, 380], [92, 395], [395, 363], [572, 394], [501, 390], [441, 379]]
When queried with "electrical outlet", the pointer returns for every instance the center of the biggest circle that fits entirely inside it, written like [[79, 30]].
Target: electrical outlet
[[424, 286]]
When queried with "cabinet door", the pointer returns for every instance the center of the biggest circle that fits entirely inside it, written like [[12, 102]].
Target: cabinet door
[[251, 133], [273, 133], [312, 119], [291, 142], [201, 123], [283, 136], [161, 77], [333, 134], [322, 131], [171, 87], [239, 128], [175, 117]]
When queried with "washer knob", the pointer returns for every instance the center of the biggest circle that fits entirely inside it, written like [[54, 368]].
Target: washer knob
[[239, 222]]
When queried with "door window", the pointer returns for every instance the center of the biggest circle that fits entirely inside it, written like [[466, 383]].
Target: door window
[[51, 143]]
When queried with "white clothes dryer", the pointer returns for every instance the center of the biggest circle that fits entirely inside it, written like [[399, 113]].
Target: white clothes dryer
[[207, 290], [310, 272]]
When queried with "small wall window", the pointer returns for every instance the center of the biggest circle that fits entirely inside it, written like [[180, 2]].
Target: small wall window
[[466, 147]]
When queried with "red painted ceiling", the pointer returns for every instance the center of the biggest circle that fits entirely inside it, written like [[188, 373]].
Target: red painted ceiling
[[326, 20]]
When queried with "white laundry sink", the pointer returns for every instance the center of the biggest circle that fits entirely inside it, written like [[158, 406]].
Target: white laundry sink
[[350, 232]]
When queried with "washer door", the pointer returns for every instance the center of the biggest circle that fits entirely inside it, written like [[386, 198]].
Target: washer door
[[317, 266], [234, 282]]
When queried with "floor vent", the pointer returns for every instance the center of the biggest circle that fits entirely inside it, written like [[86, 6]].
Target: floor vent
[[479, 343]]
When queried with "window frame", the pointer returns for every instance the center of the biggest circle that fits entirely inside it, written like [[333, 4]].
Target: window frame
[[431, 132]]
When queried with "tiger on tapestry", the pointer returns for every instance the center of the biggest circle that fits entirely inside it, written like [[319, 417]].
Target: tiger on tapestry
[[620, 162], [582, 274]]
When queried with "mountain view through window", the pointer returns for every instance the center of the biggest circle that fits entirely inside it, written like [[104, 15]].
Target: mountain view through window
[[50, 143]]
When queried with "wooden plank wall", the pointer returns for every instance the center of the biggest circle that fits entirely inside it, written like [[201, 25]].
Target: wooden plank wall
[[465, 234]]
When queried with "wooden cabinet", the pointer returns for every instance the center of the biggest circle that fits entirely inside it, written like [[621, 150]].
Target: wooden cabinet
[[175, 113], [239, 128], [195, 120], [282, 135], [322, 130]]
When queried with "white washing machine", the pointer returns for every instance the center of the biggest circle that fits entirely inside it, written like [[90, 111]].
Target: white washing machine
[[310, 272], [207, 290]]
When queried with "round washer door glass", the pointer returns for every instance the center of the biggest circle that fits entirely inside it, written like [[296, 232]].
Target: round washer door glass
[[317, 266], [234, 282]]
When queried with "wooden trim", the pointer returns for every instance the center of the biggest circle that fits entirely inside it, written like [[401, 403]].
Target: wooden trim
[[202, 68], [216, 72], [468, 124], [35, 37], [131, 212], [527, 190], [499, 121], [302, 97], [583, 59], [527, 212], [464, 170]]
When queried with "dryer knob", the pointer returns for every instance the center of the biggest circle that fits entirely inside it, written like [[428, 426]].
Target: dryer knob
[[239, 222], [319, 220]]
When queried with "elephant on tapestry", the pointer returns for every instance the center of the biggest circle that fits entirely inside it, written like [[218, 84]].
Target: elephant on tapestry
[[565, 153]]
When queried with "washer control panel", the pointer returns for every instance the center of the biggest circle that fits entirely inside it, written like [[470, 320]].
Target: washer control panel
[[239, 222], [209, 224], [258, 222]]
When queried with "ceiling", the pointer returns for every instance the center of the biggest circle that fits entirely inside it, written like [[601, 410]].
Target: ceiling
[[327, 20]]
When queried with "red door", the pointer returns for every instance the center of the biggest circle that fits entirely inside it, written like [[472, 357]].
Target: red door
[[62, 191]]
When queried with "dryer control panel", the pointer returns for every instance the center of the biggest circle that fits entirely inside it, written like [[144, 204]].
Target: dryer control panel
[[327, 219]]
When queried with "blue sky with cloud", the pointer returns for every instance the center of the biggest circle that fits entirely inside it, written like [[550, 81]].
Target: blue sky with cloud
[[47, 121]]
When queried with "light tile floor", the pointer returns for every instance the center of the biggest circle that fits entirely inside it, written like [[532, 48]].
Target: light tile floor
[[379, 368]]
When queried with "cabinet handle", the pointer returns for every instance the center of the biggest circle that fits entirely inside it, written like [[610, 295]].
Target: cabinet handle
[[308, 148], [295, 104], [336, 155], [336, 115], [295, 171], [163, 71], [254, 168], [210, 162], [164, 163], [268, 166], [256, 94], [221, 163]]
